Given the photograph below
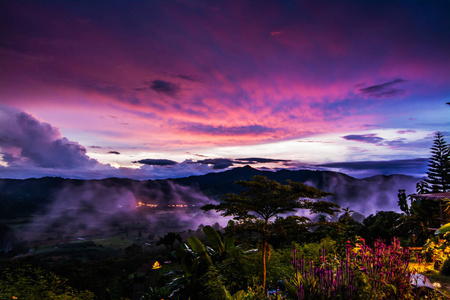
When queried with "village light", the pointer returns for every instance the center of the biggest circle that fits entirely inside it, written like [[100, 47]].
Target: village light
[[156, 265]]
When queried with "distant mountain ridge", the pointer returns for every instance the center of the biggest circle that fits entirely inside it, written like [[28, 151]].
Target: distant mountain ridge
[[367, 195], [364, 195]]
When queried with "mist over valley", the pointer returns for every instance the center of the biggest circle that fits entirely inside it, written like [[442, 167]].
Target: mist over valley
[[52, 208]]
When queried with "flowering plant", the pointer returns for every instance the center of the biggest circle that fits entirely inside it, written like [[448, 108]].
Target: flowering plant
[[380, 272]]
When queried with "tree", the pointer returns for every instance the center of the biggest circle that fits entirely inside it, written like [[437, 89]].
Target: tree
[[265, 199], [422, 216], [383, 225], [168, 240], [438, 175], [422, 187], [402, 201]]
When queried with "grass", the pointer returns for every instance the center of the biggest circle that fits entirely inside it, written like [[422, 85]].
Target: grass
[[444, 281], [428, 270], [116, 242]]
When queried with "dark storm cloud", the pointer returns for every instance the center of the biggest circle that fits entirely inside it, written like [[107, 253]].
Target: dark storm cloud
[[234, 130], [8, 158], [383, 90], [404, 166], [114, 152], [27, 141], [223, 163], [365, 138], [393, 144], [165, 87], [218, 163], [256, 160], [156, 162]]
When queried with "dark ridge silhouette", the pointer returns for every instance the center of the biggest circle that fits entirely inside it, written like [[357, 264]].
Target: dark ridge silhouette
[[29, 196]]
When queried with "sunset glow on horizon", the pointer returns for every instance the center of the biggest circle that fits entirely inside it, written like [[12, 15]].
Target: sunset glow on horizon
[[158, 89]]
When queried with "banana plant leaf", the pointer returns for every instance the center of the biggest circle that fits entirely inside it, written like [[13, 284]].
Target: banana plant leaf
[[214, 238], [198, 247], [443, 229], [229, 243]]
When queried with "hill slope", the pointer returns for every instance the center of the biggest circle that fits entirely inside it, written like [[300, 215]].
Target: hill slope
[[25, 197]]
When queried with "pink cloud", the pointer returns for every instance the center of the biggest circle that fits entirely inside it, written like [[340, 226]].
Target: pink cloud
[[217, 74]]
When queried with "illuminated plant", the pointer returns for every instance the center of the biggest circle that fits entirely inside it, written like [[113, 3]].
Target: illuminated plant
[[437, 252], [380, 272]]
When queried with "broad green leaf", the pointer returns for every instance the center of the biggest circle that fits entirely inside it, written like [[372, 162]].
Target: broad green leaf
[[198, 247], [229, 243], [214, 238], [443, 229]]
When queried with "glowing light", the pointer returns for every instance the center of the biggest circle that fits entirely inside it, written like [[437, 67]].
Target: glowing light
[[140, 204], [156, 265]]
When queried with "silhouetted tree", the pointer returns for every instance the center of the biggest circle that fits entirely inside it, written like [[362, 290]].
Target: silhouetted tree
[[438, 175], [168, 240], [423, 215], [265, 199], [421, 187], [382, 225], [402, 202]]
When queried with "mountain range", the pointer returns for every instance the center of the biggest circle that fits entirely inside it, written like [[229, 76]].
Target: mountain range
[[36, 195]]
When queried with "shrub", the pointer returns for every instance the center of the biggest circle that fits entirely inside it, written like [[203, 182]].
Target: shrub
[[34, 283], [436, 252], [364, 273]]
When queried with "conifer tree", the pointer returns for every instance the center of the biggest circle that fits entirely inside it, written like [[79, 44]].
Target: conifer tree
[[438, 175], [402, 201]]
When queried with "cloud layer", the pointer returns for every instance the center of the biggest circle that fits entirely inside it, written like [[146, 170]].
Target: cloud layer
[[386, 89], [164, 77], [30, 147], [365, 138], [248, 76]]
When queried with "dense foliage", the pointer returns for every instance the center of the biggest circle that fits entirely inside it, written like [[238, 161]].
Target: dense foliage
[[332, 259], [35, 284], [264, 199], [211, 265]]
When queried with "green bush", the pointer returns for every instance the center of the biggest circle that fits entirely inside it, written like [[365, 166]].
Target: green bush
[[34, 283], [211, 285]]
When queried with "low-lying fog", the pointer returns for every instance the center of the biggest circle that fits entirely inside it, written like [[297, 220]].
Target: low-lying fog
[[92, 208]]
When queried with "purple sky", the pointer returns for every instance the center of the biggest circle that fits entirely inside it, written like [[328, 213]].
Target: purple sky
[[155, 89]]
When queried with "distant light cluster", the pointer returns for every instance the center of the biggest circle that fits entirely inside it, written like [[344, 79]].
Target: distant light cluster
[[146, 204], [177, 205], [142, 204]]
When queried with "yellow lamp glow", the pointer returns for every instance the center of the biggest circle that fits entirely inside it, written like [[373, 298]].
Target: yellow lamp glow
[[156, 265]]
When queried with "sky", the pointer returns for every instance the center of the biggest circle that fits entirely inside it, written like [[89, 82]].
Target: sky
[[159, 89]]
